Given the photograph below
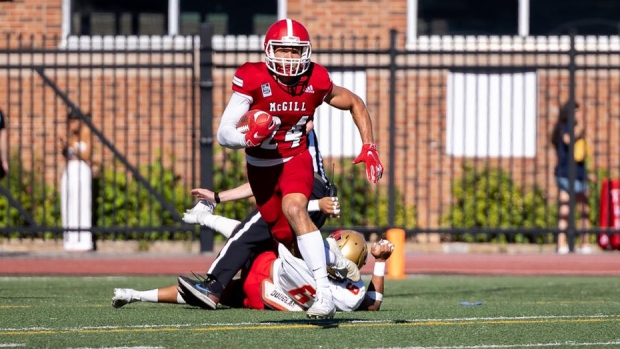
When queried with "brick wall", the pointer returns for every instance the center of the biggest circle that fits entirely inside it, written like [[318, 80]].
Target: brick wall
[[29, 17], [371, 18], [146, 114]]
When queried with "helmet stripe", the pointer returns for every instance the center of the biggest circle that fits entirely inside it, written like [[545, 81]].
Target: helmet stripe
[[289, 27]]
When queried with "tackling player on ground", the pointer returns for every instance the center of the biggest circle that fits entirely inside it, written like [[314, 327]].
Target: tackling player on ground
[[284, 282]]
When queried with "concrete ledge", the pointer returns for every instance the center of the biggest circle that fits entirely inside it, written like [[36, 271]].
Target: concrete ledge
[[185, 247], [121, 247]]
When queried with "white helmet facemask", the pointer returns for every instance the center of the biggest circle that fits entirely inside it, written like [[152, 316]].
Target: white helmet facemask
[[288, 66]]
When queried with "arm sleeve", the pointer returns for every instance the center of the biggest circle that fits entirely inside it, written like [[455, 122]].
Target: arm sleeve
[[227, 134]]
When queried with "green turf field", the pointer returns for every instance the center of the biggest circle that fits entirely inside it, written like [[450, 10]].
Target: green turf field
[[421, 312]]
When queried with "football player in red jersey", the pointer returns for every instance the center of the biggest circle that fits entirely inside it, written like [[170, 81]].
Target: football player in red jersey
[[290, 87]]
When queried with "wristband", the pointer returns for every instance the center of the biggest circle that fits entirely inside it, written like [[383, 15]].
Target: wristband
[[375, 295], [216, 195], [313, 206], [379, 269]]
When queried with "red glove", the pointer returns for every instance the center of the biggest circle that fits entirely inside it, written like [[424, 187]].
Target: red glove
[[259, 130], [370, 156]]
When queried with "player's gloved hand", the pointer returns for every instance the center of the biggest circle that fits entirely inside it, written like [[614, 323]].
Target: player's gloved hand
[[258, 132], [370, 156]]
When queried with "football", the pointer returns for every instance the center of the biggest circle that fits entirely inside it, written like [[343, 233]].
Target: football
[[251, 118]]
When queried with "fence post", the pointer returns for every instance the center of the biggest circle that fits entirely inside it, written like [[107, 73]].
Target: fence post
[[572, 172], [396, 262], [206, 123], [393, 123]]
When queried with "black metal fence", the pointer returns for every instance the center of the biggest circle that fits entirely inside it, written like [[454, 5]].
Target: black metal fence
[[462, 125], [134, 103]]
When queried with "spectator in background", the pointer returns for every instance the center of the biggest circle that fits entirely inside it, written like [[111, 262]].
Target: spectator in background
[[4, 147], [76, 186], [560, 138]]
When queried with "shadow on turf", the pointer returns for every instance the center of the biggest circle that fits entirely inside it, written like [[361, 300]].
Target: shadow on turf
[[331, 323], [328, 323]]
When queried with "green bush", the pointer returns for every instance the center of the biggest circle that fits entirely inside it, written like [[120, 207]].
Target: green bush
[[366, 205], [595, 195], [489, 198], [32, 194], [228, 174], [120, 200]]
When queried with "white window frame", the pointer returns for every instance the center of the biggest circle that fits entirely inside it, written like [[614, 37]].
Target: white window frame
[[173, 17], [140, 42], [491, 115], [412, 20], [335, 128]]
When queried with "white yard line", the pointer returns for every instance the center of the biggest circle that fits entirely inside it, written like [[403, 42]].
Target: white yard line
[[279, 324], [119, 348], [508, 346]]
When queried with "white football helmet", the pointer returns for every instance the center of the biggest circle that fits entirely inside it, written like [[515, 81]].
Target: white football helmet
[[353, 246], [287, 33]]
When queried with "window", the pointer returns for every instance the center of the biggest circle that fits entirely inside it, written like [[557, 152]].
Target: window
[[119, 17], [335, 128], [592, 17], [190, 23], [153, 17], [467, 17], [262, 22], [491, 115], [512, 17], [236, 17]]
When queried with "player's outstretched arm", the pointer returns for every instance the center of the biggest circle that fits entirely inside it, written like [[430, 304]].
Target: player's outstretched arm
[[381, 250], [330, 205], [341, 98], [241, 192]]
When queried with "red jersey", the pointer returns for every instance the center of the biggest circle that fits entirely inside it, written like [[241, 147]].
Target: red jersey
[[291, 106]]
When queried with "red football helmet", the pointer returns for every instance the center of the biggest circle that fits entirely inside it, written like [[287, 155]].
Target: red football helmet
[[287, 33]]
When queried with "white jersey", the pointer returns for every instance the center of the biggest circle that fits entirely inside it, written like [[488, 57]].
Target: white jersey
[[292, 276]]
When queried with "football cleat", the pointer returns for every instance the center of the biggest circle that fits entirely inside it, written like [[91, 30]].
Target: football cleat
[[323, 306], [196, 214], [189, 298], [342, 268], [124, 296], [196, 292]]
